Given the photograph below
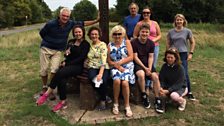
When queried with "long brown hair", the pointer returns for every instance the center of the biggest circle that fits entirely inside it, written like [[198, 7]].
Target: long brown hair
[[173, 51]]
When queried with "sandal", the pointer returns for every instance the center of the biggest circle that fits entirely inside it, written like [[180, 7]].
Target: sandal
[[115, 109], [128, 111]]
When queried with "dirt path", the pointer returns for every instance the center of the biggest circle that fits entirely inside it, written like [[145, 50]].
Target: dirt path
[[20, 29]]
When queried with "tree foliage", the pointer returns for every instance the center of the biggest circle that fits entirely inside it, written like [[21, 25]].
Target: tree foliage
[[21, 12], [164, 10], [84, 10]]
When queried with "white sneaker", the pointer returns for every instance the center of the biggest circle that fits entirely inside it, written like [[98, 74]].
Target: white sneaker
[[182, 105]]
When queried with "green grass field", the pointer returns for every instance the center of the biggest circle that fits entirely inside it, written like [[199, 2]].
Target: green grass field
[[19, 81]]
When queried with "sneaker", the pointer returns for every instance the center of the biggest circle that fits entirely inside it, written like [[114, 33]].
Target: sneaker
[[146, 102], [59, 106], [42, 99], [159, 106], [191, 97], [108, 100], [182, 105]]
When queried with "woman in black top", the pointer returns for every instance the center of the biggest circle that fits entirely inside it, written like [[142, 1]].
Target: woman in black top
[[172, 78], [75, 55]]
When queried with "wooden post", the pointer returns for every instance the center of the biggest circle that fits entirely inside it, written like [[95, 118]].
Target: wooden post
[[104, 20]]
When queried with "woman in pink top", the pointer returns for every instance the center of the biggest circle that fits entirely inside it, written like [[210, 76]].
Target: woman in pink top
[[155, 33]]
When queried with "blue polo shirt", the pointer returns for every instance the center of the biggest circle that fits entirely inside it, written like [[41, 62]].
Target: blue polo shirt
[[54, 36], [129, 24]]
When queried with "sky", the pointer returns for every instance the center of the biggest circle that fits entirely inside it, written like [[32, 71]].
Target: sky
[[54, 4]]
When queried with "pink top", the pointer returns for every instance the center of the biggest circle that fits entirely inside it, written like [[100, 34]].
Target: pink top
[[153, 32]]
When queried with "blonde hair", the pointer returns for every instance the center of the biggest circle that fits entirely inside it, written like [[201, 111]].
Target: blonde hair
[[180, 16], [118, 28], [65, 9]]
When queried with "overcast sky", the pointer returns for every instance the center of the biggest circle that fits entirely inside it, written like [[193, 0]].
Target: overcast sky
[[54, 4]]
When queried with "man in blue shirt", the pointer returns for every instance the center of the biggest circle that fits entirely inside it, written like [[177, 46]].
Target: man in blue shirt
[[54, 39], [131, 20]]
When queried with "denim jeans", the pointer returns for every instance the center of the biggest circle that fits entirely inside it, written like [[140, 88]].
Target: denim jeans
[[183, 57], [156, 54]]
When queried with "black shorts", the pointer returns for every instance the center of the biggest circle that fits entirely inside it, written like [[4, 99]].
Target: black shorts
[[137, 68]]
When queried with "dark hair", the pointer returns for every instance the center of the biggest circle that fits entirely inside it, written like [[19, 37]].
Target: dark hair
[[144, 25], [146, 7], [173, 51], [82, 28], [94, 28]]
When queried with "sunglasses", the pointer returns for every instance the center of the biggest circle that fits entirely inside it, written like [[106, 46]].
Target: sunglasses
[[117, 34], [172, 49], [146, 12]]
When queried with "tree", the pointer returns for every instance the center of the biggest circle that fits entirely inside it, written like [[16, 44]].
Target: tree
[[37, 15], [84, 10]]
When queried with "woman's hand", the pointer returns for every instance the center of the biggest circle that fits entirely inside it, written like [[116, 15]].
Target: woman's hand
[[67, 52], [99, 77], [189, 57], [120, 68], [62, 64]]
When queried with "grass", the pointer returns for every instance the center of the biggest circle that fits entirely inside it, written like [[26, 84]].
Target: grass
[[19, 80]]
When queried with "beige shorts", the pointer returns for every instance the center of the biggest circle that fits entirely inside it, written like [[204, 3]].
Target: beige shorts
[[49, 57]]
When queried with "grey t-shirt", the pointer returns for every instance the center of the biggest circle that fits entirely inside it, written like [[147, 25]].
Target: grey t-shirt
[[179, 39]]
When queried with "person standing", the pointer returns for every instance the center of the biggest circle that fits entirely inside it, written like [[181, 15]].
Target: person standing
[[131, 20], [155, 33], [75, 55], [178, 37], [54, 39]]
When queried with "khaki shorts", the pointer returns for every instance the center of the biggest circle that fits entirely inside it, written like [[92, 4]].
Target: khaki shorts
[[49, 57]]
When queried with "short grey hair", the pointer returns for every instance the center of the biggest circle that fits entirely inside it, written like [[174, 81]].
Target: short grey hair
[[65, 9]]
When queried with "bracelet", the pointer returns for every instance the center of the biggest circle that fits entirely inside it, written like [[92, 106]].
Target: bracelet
[[191, 53]]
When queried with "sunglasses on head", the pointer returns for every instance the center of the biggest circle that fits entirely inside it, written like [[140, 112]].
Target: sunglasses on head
[[117, 34], [172, 49], [146, 12]]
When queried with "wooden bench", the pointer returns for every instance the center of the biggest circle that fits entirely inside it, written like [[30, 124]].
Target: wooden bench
[[88, 96]]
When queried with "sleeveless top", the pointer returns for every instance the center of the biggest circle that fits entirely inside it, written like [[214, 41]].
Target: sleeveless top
[[117, 54]]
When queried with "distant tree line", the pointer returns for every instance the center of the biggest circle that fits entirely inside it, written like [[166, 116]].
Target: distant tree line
[[164, 10], [21, 12]]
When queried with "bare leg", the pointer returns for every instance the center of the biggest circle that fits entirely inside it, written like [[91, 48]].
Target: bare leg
[[116, 88], [141, 80], [126, 93]]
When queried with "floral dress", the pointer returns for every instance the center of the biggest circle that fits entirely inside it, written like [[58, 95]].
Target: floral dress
[[116, 54]]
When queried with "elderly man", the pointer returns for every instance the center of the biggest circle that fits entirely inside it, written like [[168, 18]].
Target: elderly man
[[131, 20], [54, 39]]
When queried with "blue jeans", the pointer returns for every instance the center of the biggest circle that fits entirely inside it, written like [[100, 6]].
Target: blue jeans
[[156, 54], [102, 90], [183, 57]]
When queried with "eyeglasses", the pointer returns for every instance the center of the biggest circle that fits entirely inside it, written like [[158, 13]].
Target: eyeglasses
[[117, 34], [146, 12]]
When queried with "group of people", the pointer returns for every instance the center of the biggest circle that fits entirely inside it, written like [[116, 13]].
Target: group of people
[[130, 58]]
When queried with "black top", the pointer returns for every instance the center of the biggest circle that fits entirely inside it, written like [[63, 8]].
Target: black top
[[143, 50], [172, 77], [78, 53]]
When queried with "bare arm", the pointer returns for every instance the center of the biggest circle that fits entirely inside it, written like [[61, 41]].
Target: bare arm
[[150, 61], [138, 61], [192, 46], [167, 42], [88, 23], [158, 32], [130, 54], [136, 30]]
